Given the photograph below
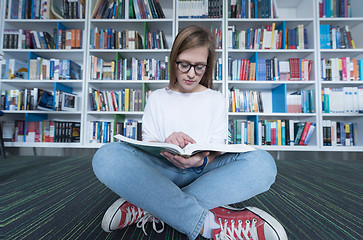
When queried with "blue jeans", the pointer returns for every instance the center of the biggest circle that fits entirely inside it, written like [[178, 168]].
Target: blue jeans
[[180, 197]]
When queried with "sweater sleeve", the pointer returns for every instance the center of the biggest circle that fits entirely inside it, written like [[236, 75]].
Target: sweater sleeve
[[150, 126], [221, 122]]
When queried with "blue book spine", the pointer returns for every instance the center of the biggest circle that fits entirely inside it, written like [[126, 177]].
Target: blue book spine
[[283, 133]]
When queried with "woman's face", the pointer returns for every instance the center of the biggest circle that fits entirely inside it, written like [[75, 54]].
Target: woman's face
[[190, 68]]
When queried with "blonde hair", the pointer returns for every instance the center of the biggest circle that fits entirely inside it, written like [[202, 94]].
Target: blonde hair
[[192, 37]]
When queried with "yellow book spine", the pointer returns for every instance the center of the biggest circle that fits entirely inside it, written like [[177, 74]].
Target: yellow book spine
[[97, 101], [127, 99], [279, 136], [272, 35]]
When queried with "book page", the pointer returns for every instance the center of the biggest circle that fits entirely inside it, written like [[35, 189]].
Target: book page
[[154, 148], [192, 149]]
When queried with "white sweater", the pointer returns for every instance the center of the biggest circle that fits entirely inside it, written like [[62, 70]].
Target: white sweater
[[201, 115]]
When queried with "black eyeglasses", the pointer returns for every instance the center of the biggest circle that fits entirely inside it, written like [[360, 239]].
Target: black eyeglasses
[[184, 67]]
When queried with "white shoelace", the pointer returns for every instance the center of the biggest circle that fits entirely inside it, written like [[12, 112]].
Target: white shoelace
[[141, 217], [242, 233]]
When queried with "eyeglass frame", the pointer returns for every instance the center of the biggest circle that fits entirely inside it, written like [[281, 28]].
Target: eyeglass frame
[[190, 66]]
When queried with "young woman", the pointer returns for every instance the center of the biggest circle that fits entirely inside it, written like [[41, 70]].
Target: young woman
[[188, 193]]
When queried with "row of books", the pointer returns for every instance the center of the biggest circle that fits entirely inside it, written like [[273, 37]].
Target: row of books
[[285, 132], [54, 69], [341, 69], [301, 101], [335, 37], [31, 39], [129, 69], [109, 9], [40, 69], [241, 131], [336, 133], [271, 132], [245, 101], [334, 8], [113, 39], [121, 9], [104, 131], [27, 39], [13, 69], [293, 69], [38, 99], [342, 100], [45, 9], [268, 37], [41, 131], [135, 69], [253, 9], [145, 9], [126, 100], [200, 8]]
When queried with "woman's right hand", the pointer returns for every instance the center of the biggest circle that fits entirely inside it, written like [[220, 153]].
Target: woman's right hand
[[180, 139]]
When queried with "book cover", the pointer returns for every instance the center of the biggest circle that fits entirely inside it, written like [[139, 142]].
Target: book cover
[[155, 148]]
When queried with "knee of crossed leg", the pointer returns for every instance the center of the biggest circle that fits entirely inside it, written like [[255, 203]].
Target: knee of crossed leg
[[109, 158], [265, 167]]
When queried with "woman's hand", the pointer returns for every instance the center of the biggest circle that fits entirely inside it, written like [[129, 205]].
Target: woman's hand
[[180, 139], [183, 163]]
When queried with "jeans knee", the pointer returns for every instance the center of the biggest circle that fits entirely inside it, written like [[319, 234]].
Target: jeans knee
[[269, 166], [266, 166], [106, 159]]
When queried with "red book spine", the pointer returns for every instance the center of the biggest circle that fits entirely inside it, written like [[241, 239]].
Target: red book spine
[[304, 133]]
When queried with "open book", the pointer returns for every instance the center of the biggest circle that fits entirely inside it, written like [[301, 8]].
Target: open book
[[154, 148]]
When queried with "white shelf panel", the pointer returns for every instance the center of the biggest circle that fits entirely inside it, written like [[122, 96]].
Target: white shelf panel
[[43, 144], [43, 112], [156, 20], [287, 115], [114, 112]]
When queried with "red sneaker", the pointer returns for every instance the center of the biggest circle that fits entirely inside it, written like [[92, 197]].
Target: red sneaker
[[122, 214], [246, 223]]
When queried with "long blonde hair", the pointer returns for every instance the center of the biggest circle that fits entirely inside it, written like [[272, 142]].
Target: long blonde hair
[[191, 37]]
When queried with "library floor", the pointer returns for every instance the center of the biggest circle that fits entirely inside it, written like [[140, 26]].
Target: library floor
[[60, 198]]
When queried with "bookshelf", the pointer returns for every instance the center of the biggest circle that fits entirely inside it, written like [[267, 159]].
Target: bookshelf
[[291, 13], [344, 113]]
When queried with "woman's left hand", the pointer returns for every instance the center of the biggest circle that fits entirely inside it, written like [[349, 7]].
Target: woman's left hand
[[183, 163]]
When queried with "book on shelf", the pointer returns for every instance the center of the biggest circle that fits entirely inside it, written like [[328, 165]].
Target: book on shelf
[[200, 9], [13, 69], [8, 128], [112, 39], [337, 133], [104, 131], [270, 36], [121, 9], [301, 101], [334, 8], [31, 39], [46, 101], [346, 100], [44, 131], [336, 37], [45, 9], [241, 131], [253, 9], [293, 69], [245, 101], [341, 69], [155, 148]]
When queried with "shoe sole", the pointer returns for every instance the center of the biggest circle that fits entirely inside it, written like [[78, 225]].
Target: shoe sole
[[276, 225], [110, 214]]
